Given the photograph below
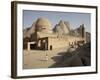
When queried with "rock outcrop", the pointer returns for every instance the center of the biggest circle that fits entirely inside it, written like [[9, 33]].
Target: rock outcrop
[[28, 31], [62, 27], [80, 57]]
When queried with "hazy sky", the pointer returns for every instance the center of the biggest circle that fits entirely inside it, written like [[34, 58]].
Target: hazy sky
[[75, 19]]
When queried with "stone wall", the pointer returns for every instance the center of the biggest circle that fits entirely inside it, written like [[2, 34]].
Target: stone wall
[[57, 43], [63, 42]]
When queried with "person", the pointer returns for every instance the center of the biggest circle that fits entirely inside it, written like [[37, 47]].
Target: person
[[46, 57]]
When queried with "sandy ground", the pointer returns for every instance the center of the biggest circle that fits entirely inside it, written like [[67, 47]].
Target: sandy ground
[[63, 57], [41, 59]]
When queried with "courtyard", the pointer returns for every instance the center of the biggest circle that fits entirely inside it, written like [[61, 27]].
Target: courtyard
[[42, 59]]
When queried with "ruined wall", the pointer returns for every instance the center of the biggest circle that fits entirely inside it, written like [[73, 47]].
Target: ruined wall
[[63, 42], [57, 43]]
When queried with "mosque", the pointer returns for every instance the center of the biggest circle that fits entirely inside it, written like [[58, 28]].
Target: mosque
[[42, 36]]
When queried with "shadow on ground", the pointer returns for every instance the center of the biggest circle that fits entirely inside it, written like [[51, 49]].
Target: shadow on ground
[[81, 56]]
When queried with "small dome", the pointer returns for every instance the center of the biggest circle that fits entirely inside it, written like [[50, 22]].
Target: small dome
[[43, 24]]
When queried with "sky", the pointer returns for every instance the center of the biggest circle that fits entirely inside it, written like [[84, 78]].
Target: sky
[[75, 19]]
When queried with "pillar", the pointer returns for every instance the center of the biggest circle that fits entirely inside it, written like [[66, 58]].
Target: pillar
[[28, 46]]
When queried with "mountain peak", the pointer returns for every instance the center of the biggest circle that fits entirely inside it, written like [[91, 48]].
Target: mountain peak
[[62, 27]]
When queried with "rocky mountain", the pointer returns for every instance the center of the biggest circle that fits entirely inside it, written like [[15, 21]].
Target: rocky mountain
[[62, 27], [76, 32], [28, 31], [88, 37]]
